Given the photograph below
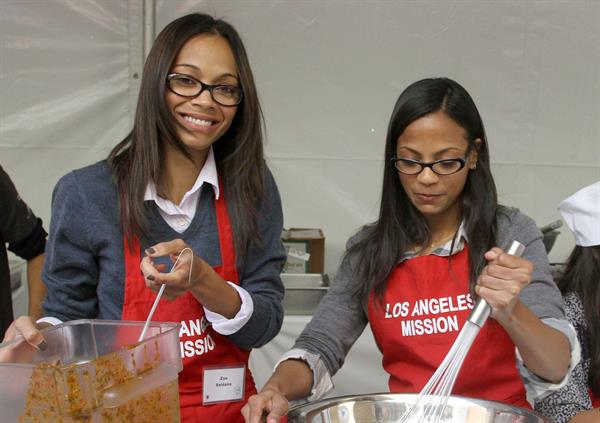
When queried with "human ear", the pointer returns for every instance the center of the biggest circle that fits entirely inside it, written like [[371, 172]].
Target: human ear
[[474, 154]]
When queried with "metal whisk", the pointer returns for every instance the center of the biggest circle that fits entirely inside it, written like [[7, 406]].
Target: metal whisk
[[433, 398]]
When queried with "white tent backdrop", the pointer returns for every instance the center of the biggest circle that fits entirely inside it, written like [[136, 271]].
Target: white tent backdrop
[[328, 74]]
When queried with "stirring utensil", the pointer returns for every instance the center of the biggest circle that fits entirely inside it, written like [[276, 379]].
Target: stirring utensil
[[160, 292], [436, 392]]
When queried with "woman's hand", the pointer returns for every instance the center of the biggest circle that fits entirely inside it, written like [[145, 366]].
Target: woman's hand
[[190, 273], [188, 270], [22, 352], [292, 379], [501, 282], [545, 351], [269, 405]]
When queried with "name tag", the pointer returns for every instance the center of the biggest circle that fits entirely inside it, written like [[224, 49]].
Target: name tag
[[223, 384]]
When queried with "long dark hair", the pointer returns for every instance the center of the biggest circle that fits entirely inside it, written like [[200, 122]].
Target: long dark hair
[[400, 224], [138, 159], [582, 276]]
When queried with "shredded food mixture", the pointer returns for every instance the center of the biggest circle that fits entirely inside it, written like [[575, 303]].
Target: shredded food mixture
[[73, 392]]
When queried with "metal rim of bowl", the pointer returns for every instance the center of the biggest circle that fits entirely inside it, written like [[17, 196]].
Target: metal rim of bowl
[[303, 412]]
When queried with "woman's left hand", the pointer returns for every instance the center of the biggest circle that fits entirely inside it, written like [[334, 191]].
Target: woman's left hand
[[501, 282], [186, 271]]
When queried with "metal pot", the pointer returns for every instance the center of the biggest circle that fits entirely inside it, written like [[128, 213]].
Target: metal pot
[[388, 408]]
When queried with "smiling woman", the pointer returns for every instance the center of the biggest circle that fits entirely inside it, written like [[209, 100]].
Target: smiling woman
[[190, 175], [200, 117]]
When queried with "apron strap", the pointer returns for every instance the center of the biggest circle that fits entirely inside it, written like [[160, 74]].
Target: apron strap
[[226, 240]]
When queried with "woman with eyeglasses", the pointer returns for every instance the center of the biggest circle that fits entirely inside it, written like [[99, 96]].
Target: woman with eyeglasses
[[191, 174], [414, 273]]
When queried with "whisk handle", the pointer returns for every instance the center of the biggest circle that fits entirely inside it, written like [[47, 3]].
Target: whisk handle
[[482, 310]]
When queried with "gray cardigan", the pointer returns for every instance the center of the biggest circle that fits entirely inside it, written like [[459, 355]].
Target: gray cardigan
[[340, 318]]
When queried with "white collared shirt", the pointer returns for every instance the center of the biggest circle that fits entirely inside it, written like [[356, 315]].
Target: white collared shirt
[[179, 216]]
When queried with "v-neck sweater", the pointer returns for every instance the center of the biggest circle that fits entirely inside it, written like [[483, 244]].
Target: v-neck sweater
[[84, 270]]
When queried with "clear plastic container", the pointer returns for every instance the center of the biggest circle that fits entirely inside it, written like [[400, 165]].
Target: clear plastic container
[[93, 371]]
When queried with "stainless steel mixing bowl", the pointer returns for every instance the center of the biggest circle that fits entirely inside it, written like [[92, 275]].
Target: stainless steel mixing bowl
[[388, 408]]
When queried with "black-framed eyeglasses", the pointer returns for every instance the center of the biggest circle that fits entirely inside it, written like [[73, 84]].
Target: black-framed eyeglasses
[[189, 87], [441, 167]]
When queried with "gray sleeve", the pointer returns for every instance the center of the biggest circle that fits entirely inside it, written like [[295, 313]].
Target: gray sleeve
[[563, 404], [71, 269], [260, 275], [338, 321], [542, 295]]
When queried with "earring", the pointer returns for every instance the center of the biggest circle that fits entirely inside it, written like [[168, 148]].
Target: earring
[[474, 166]]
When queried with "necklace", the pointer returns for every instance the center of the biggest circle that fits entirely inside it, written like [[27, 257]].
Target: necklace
[[432, 246], [437, 244], [442, 241]]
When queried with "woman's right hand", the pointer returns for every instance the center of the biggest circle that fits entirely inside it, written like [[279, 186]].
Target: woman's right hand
[[268, 406], [19, 352]]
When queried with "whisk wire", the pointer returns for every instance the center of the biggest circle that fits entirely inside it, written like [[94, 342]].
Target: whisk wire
[[433, 399], [438, 389]]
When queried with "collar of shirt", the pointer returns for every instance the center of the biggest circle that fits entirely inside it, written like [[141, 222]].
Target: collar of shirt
[[180, 215], [446, 249]]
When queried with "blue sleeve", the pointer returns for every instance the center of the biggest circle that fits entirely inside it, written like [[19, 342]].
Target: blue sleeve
[[261, 272], [71, 269]]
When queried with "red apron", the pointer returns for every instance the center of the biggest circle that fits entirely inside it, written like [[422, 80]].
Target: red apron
[[426, 303], [201, 346], [595, 400]]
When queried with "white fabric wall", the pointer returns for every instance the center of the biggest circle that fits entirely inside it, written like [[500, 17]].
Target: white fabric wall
[[328, 74], [67, 90]]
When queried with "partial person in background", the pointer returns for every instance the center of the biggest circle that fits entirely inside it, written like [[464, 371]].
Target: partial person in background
[[579, 400], [191, 175], [26, 237], [414, 274]]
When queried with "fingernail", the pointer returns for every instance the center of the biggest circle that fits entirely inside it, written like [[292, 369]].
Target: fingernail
[[43, 346], [150, 250], [150, 277]]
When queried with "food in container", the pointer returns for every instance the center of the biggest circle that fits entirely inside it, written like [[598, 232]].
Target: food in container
[[93, 371]]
